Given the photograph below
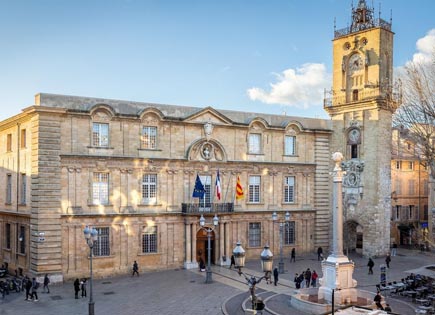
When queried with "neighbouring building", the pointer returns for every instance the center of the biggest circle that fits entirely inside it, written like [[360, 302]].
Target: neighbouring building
[[129, 170], [409, 197]]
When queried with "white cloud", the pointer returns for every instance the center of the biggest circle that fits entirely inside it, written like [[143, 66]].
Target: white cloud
[[301, 88], [425, 48]]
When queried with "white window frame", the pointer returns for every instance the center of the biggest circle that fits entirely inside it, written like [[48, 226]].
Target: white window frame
[[206, 181], [289, 189], [102, 245], [149, 137], [100, 188], [149, 188], [254, 143], [398, 165], [254, 189], [149, 239], [289, 145], [100, 134], [290, 233]]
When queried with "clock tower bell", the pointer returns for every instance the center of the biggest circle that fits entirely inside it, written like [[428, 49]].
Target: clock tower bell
[[361, 104]]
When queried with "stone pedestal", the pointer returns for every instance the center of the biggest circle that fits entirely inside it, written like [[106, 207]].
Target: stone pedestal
[[337, 276]]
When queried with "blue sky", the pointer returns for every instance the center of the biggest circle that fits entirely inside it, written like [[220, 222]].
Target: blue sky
[[270, 56]]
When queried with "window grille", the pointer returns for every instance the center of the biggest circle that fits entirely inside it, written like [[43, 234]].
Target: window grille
[[102, 245], [100, 135], [289, 189], [289, 233], [149, 239], [255, 234], [254, 189], [149, 137], [149, 188], [100, 188]]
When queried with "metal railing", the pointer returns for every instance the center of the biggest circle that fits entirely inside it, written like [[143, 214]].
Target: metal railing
[[376, 23], [207, 207]]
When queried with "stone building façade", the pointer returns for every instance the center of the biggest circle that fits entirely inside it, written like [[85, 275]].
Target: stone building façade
[[129, 169]]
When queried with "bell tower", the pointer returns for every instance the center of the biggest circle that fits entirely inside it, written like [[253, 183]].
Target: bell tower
[[361, 104]]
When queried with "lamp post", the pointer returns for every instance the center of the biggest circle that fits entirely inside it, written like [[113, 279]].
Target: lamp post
[[266, 257], [91, 236], [208, 277], [281, 229]]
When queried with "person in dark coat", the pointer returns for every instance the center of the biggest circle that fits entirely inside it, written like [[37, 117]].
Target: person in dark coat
[[28, 287], [35, 286], [46, 282], [377, 300], [233, 261], [135, 269], [297, 282], [293, 255], [370, 264], [77, 288], [275, 276], [307, 278], [83, 285], [388, 260], [320, 253]]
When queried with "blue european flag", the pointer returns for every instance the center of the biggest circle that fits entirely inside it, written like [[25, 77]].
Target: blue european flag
[[198, 191]]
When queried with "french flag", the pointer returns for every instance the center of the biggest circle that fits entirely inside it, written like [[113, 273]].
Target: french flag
[[218, 185]]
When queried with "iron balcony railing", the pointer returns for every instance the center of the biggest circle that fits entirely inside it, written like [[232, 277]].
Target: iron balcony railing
[[376, 23], [207, 207]]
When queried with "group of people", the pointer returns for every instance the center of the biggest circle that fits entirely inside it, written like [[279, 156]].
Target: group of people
[[371, 263], [80, 285], [306, 279], [32, 287]]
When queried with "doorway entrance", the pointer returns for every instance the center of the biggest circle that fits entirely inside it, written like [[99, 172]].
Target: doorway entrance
[[202, 247], [353, 234]]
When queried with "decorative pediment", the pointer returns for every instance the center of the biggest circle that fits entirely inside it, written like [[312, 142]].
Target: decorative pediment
[[206, 150], [102, 112], [293, 128], [209, 115]]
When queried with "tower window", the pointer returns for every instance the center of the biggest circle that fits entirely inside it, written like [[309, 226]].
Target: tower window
[[354, 151], [354, 95]]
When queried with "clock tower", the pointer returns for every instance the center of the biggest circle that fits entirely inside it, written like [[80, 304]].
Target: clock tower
[[361, 104]]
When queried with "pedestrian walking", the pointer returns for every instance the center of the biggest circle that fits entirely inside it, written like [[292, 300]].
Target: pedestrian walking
[[46, 282], [233, 262], [76, 288], [377, 300], [135, 269], [35, 286], [275, 276], [302, 279], [314, 277], [370, 264], [83, 285], [320, 253], [308, 277], [293, 255], [394, 250], [28, 288], [388, 260]]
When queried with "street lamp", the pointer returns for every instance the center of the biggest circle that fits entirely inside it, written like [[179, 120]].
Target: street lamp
[[281, 228], [91, 236], [208, 278], [266, 257]]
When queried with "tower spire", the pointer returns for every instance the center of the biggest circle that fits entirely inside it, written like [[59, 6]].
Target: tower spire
[[362, 17]]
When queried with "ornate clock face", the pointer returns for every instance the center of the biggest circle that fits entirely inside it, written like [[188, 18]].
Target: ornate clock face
[[354, 135], [355, 62]]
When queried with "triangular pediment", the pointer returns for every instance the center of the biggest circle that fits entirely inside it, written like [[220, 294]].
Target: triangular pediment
[[209, 115]]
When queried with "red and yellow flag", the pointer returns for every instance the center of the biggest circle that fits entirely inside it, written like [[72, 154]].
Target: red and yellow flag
[[239, 190]]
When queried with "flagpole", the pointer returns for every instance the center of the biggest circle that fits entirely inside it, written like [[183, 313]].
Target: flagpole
[[234, 194]]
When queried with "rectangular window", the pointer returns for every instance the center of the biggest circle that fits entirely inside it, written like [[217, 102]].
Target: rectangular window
[[254, 189], [254, 143], [23, 139], [398, 165], [398, 187], [23, 189], [22, 239], [206, 181], [149, 239], [100, 189], [149, 137], [289, 233], [8, 236], [398, 212], [102, 245], [289, 189], [290, 145], [411, 187], [425, 187], [9, 142], [255, 234], [410, 165], [8, 189], [100, 135], [149, 188]]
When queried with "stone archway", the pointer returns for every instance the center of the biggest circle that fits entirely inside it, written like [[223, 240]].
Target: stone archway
[[353, 233], [202, 246]]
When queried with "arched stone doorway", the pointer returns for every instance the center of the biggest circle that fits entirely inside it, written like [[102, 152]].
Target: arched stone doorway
[[353, 236], [202, 246]]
